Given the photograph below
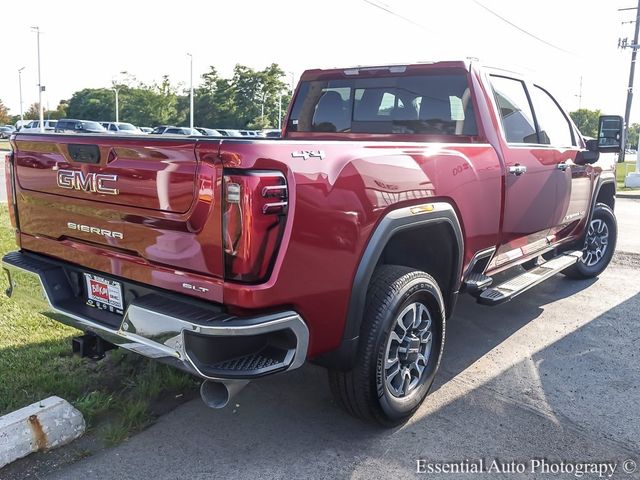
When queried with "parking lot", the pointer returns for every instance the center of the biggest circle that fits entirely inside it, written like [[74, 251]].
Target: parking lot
[[554, 374]]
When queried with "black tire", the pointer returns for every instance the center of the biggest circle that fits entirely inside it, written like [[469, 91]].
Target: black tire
[[363, 391], [586, 267]]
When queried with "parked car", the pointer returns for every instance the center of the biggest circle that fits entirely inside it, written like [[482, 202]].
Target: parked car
[[182, 131], [209, 132], [393, 192], [146, 129], [21, 123], [159, 130], [69, 125], [6, 131], [229, 132], [34, 125], [121, 128], [272, 133]]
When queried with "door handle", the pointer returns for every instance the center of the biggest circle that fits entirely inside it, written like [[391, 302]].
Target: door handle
[[562, 166], [517, 169]]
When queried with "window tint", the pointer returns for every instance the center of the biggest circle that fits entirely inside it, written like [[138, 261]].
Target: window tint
[[437, 104], [515, 110], [554, 126]]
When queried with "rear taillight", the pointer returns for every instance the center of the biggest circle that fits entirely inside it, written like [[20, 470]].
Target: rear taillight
[[253, 220]]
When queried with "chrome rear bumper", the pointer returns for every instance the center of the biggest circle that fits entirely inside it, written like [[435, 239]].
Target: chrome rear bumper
[[206, 342]]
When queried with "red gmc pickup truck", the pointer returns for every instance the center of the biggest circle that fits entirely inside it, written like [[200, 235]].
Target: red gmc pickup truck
[[393, 190]]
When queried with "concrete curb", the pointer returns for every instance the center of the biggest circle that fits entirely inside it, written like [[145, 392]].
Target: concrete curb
[[635, 194], [44, 425]]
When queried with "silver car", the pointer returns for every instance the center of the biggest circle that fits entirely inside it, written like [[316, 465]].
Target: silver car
[[6, 131], [122, 128]]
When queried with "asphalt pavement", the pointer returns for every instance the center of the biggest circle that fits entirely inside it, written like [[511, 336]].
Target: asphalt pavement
[[554, 374]]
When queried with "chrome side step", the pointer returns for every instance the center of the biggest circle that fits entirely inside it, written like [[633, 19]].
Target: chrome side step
[[476, 283], [515, 286]]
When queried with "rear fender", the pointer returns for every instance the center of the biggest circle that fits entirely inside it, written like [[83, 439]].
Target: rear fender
[[399, 220]]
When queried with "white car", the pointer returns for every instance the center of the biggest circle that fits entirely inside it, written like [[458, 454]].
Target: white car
[[122, 128], [34, 126]]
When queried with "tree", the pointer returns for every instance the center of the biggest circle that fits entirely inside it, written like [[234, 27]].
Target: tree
[[33, 112], [219, 102], [634, 133], [60, 111], [92, 104], [587, 121], [4, 114], [238, 102]]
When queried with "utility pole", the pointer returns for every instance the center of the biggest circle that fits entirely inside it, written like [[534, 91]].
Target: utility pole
[[580, 95], [280, 110], [116, 89], [191, 92], [632, 69], [40, 87], [20, 86]]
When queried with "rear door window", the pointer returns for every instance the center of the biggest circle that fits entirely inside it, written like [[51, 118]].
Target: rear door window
[[426, 104]]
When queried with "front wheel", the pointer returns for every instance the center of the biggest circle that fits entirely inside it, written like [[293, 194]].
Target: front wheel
[[401, 343], [599, 244]]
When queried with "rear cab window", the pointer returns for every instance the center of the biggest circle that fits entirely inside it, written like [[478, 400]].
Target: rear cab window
[[436, 103]]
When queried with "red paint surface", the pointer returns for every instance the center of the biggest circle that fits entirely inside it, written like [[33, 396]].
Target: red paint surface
[[171, 224]]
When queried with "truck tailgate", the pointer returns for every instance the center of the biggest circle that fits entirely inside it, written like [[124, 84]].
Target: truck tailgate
[[143, 201]]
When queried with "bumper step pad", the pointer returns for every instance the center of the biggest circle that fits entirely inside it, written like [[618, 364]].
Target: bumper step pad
[[521, 283]]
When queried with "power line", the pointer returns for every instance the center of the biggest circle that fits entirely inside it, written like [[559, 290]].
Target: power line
[[549, 44], [395, 14]]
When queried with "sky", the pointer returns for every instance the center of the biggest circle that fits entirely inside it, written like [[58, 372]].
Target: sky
[[86, 44]]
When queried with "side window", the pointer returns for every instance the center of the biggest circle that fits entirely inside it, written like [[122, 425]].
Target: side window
[[515, 110], [113, 128], [554, 126]]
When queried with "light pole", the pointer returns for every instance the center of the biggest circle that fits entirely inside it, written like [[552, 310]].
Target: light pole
[[634, 51], [116, 89], [40, 87], [280, 110], [191, 91], [20, 86]]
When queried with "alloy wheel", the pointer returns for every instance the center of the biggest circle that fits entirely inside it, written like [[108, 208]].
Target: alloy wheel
[[408, 350], [596, 243]]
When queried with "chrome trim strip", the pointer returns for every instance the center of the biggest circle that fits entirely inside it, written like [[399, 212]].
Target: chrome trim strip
[[148, 332]]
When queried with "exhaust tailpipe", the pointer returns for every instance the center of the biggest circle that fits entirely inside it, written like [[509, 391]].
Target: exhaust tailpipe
[[218, 393]]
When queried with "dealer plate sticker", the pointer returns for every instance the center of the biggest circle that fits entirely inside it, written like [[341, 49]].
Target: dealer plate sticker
[[104, 294]]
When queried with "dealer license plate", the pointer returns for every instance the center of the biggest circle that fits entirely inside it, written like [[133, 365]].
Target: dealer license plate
[[104, 294]]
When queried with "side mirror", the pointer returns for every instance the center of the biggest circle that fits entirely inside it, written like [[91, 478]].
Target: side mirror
[[610, 133]]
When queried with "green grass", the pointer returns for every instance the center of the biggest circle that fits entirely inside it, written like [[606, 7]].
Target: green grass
[[4, 145], [621, 172], [117, 396]]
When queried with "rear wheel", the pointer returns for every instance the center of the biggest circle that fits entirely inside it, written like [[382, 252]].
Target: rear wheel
[[599, 244], [401, 342]]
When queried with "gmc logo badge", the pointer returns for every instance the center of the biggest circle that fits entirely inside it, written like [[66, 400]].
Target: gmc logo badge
[[90, 182]]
